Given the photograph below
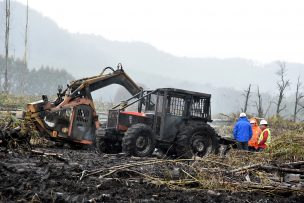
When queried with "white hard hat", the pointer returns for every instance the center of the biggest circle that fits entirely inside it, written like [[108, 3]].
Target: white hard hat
[[263, 122], [242, 115]]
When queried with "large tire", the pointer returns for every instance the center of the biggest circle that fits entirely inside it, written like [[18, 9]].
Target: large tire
[[138, 140], [106, 146], [199, 140], [99, 141]]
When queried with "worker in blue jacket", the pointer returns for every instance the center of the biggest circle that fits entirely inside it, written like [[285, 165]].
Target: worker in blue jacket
[[242, 132]]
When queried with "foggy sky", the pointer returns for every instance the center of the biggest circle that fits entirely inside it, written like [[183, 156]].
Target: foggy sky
[[260, 30]]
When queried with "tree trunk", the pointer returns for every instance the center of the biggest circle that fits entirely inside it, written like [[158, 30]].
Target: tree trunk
[[247, 95], [282, 85], [24, 70], [259, 104], [7, 29]]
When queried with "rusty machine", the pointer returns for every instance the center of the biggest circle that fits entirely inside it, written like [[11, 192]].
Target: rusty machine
[[72, 116]]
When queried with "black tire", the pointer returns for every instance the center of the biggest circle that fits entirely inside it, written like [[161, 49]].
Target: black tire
[[106, 146], [138, 140], [99, 141], [199, 140]]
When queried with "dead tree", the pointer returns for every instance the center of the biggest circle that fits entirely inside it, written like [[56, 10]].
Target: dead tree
[[23, 79], [299, 96], [282, 84], [246, 94], [7, 30], [259, 104], [268, 107]]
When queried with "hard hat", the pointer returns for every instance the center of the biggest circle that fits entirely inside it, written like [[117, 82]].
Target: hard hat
[[242, 115], [252, 121], [263, 122]]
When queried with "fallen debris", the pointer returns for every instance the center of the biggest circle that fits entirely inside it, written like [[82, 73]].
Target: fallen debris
[[56, 155], [63, 174]]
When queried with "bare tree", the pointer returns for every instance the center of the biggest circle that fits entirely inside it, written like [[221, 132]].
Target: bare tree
[[25, 61], [268, 107], [259, 104], [299, 96], [246, 94], [7, 29], [282, 84]]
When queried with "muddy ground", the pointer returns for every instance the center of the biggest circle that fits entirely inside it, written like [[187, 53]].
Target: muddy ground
[[26, 176]]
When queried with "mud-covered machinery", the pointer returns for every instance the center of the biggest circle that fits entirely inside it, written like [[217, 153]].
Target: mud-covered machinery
[[72, 116], [172, 120]]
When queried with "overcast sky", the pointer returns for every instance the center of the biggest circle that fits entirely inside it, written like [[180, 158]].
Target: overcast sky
[[262, 30]]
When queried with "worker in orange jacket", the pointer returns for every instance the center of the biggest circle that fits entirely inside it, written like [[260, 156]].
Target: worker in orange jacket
[[256, 131], [265, 137]]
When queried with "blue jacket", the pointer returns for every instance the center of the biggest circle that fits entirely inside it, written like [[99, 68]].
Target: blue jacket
[[242, 130]]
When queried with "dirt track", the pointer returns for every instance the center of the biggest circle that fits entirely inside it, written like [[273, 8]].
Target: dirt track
[[33, 177]]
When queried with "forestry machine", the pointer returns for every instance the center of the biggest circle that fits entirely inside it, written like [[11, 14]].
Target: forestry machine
[[72, 116], [174, 121]]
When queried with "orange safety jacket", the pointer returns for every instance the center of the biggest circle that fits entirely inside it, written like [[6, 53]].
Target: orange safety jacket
[[256, 132]]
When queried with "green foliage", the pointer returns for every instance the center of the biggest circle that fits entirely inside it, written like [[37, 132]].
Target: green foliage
[[287, 147]]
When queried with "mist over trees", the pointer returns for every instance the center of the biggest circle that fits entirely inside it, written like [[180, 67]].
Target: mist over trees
[[87, 54], [23, 81], [285, 102]]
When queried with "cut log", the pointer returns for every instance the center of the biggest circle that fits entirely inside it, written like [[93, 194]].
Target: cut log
[[287, 170]]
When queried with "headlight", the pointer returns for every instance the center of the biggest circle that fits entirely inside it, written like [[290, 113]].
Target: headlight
[[49, 123]]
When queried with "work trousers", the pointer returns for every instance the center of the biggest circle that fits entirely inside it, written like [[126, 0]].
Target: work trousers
[[242, 145]]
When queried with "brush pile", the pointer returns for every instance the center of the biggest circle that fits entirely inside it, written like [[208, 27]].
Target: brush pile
[[16, 134], [63, 174], [279, 169]]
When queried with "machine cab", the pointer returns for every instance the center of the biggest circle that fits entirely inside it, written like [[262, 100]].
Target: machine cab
[[163, 109]]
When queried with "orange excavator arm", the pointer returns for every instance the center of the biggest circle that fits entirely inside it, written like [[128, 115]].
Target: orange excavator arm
[[97, 82], [82, 88]]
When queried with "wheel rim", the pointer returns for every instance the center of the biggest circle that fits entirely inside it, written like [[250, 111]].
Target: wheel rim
[[142, 143], [201, 144]]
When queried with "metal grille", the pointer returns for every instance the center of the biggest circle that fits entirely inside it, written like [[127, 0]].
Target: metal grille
[[83, 115], [177, 106], [198, 108], [113, 118]]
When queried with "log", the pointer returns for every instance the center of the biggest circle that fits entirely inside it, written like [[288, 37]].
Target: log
[[292, 164], [45, 153], [287, 170], [55, 155]]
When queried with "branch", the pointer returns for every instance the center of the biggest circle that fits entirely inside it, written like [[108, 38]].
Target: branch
[[268, 108], [57, 156], [288, 170], [283, 108], [245, 168], [292, 163]]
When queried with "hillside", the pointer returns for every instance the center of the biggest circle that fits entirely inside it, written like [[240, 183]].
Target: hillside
[[84, 55]]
